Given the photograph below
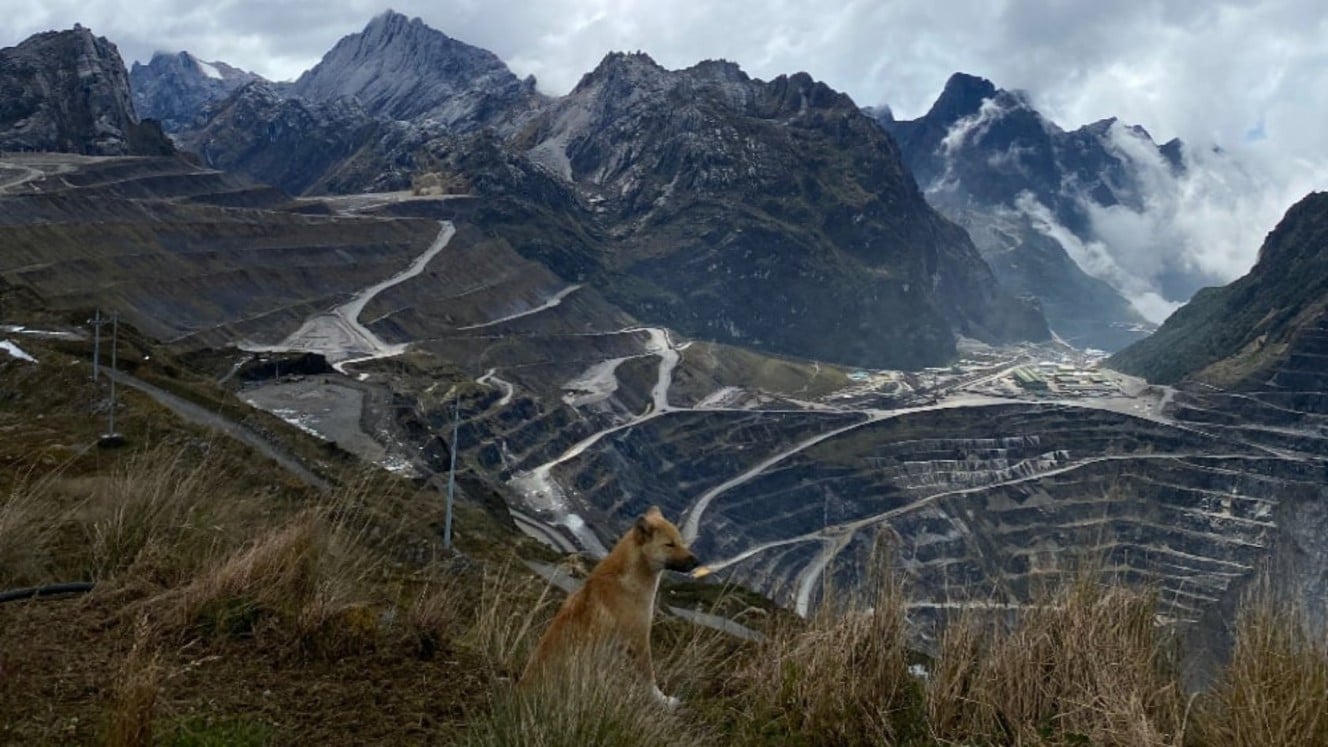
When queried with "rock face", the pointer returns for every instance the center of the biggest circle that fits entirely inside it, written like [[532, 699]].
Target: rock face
[[175, 88], [67, 91], [400, 69], [367, 107], [304, 147], [768, 214], [1267, 330], [1023, 187]]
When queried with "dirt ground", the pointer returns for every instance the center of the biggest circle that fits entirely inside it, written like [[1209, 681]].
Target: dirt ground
[[60, 659]]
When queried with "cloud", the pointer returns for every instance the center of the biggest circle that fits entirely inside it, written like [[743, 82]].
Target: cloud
[[1100, 261], [1203, 227], [1208, 72]]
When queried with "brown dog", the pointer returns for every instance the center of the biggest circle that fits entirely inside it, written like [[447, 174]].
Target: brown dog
[[617, 602]]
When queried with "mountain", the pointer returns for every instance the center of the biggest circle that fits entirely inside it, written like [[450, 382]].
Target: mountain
[[367, 108], [768, 214], [1026, 189], [1267, 330], [174, 88], [303, 146], [68, 91], [400, 69], [533, 314]]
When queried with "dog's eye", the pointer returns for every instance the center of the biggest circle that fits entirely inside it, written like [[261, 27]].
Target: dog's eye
[[670, 544]]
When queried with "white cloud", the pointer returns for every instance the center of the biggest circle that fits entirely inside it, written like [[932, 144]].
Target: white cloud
[[1100, 261], [1212, 73], [1203, 227]]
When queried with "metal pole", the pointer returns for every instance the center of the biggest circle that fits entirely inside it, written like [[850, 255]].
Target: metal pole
[[451, 475], [115, 333], [96, 344]]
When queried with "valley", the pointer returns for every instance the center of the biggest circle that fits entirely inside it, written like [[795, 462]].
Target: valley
[[400, 347], [768, 331], [987, 476]]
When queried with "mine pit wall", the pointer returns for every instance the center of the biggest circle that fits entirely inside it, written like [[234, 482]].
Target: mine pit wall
[[117, 238], [992, 502]]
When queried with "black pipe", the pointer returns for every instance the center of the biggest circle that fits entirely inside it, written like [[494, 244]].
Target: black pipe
[[49, 590]]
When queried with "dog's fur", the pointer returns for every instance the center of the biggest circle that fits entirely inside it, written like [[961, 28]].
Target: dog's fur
[[617, 602]]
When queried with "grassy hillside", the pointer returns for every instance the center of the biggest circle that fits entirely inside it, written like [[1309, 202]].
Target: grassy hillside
[[235, 604], [1231, 335]]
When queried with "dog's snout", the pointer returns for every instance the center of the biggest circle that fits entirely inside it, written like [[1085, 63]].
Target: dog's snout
[[683, 565]]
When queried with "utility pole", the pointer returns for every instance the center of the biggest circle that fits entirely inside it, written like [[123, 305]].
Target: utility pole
[[96, 322], [451, 474], [111, 437]]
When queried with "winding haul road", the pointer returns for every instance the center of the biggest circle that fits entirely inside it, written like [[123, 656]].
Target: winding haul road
[[343, 339], [339, 336], [543, 493]]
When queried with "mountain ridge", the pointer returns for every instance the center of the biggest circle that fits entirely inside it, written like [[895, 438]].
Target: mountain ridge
[[68, 91], [175, 88], [990, 161], [1246, 334], [398, 68]]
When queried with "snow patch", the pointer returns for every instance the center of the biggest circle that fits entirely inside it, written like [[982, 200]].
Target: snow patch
[[15, 351], [207, 69]]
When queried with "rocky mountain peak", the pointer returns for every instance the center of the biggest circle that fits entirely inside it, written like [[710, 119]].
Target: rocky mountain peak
[[962, 96], [68, 91], [401, 69], [989, 159], [697, 176], [621, 71], [719, 71], [174, 87]]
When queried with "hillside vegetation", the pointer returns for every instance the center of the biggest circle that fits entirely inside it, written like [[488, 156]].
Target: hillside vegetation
[[1235, 335], [235, 604]]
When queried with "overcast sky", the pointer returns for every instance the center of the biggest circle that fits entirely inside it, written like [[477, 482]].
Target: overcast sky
[[1248, 75]]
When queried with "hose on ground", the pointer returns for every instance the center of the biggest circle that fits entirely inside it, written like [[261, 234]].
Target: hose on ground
[[49, 590]]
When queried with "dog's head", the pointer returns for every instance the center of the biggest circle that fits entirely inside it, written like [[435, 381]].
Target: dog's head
[[662, 543]]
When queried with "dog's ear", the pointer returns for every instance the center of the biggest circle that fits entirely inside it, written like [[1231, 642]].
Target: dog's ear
[[643, 528], [654, 513]]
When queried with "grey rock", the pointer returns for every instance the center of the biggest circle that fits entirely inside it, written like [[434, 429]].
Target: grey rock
[[68, 91], [399, 68], [175, 88], [981, 152]]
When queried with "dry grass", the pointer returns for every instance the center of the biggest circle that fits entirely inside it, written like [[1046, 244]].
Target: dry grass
[[840, 679], [134, 697], [26, 532], [332, 586], [1088, 662], [592, 700], [513, 608], [158, 505], [1274, 690]]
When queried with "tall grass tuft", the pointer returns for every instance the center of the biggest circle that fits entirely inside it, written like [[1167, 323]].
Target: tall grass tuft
[[1274, 691], [26, 532], [134, 694], [513, 607], [592, 700], [1086, 662], [840, 679], [269, 578]]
